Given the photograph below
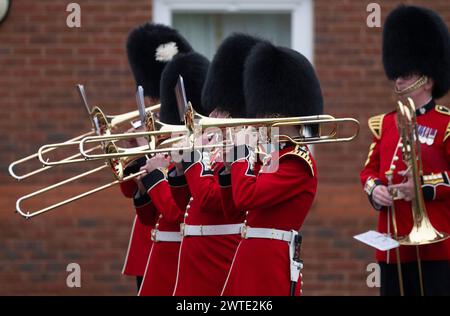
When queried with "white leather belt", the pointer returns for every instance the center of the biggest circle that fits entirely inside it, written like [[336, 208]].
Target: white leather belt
[[296, 264], [211, 230], [158, 235], [266, 233]]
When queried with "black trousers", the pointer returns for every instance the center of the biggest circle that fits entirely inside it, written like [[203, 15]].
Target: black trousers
[[436, 278], [139, 282]]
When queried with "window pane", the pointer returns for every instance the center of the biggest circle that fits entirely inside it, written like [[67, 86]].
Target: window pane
[[206, 31]]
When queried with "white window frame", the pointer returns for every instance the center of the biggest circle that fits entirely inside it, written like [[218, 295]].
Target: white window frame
[[302, 15]]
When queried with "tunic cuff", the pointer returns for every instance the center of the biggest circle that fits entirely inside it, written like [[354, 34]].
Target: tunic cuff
[[140, 200], [135, 166], [174, 180], [153, 178], [370, 185], [224, 179]]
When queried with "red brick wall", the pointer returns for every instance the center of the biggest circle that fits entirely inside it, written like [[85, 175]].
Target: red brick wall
[[349, 66], [41, 60], [348, 61]]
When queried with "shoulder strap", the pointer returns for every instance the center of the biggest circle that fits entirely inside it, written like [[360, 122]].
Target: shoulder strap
[[303, 153], [376, 124], [446, 111], [442, 109]]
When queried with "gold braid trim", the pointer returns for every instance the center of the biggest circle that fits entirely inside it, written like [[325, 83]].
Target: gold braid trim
[[376, 124], [303, 153], [371, 148], [414, 86], [447, 132], [446, 111], [433, 179]]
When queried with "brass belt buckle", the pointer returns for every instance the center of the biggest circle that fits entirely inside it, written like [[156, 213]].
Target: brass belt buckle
[[182, 229], [153, 235], [273, 234], [244, 232]]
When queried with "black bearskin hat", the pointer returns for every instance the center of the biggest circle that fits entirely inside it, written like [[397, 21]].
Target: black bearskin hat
[[416, 41], [150, 47], [193, 67], [224, 84], [280, 81]]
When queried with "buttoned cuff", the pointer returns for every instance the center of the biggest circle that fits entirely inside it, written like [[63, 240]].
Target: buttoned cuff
[[370, 185]]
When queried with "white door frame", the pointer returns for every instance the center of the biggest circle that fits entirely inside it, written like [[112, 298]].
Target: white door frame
[[302, 15]]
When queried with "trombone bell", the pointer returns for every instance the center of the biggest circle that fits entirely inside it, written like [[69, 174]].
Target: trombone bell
[[119, 164], [423, 233]]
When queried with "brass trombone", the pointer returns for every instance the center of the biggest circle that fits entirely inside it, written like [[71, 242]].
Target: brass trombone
[[101, 124], [196, 123], [422, 232], [14, 164], [117, 165], [19, 177]]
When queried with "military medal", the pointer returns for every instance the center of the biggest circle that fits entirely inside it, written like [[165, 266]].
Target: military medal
[[426, 135], [421, 131], [431, 136]]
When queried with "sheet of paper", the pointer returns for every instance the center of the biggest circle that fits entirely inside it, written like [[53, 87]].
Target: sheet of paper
[[377, 240], [136, 124]]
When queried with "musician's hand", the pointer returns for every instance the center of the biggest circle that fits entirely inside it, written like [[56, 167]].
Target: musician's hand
[[381, 196], [158, 161], [406, 188]]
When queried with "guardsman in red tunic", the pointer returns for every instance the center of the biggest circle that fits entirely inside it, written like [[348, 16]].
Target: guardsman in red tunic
[[416, 55], [169, 192], [149, 47], [169, 197], [144, 221], [277, 190], [210, 237]]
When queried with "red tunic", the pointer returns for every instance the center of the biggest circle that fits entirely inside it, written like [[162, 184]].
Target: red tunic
[[436, 161], [205, 260], [278, 200], [140, 241], [161, 271]]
